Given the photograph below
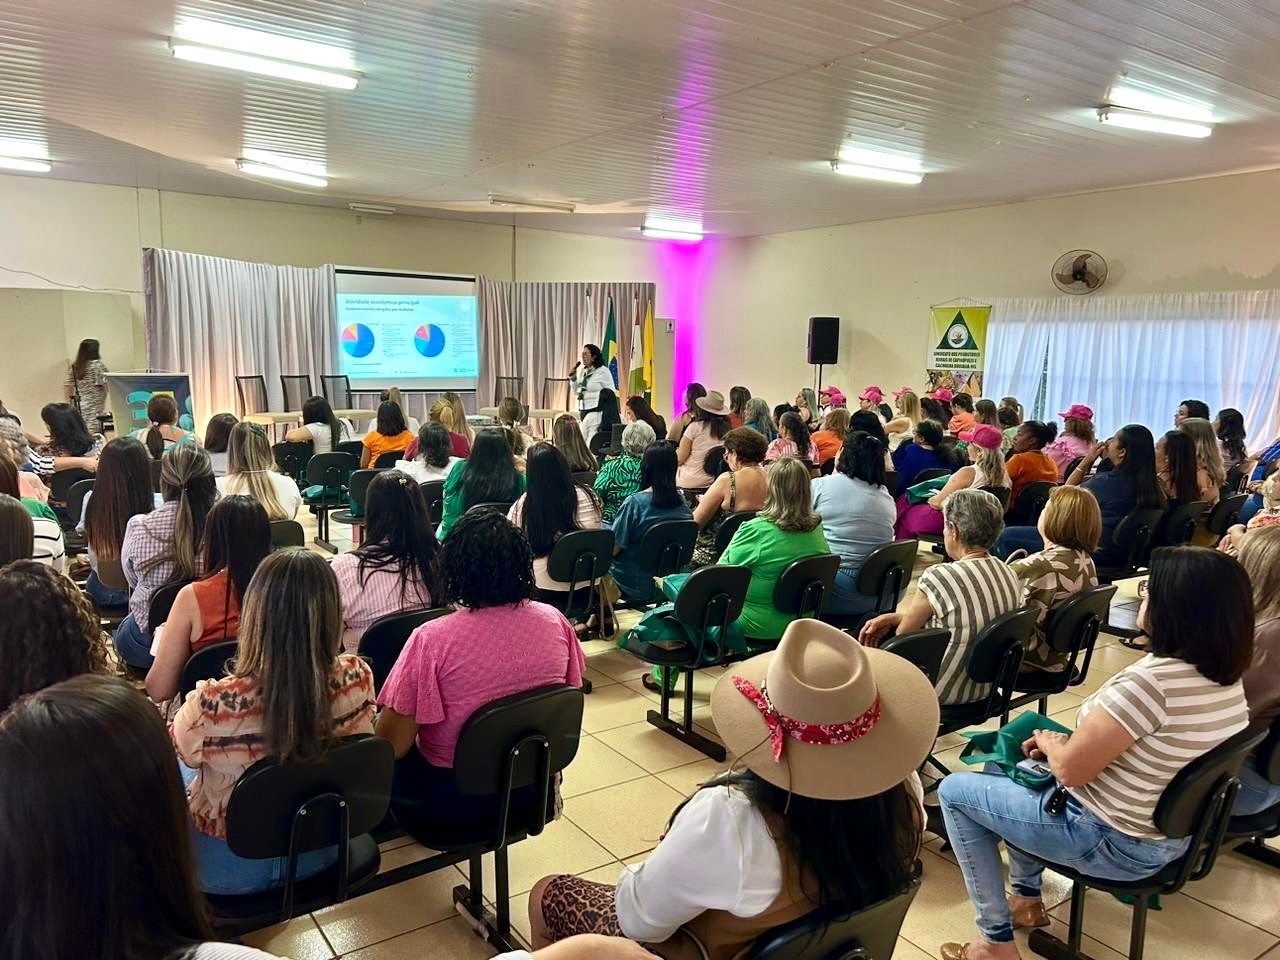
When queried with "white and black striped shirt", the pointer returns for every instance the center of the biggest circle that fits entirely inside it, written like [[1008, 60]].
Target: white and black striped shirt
[[1175, 714], [49, 548]]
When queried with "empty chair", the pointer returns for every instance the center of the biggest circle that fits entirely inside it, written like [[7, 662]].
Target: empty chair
[[508, 387], [294, 390], [357, 486], [251, 392], [327, 476], [287, 533], [336, 388], [580, 558], [555, 393]]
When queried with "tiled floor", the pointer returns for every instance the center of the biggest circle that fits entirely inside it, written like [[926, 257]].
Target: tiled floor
[[628, 777]]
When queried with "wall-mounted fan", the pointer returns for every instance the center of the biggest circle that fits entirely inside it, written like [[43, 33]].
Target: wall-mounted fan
[[1079, 272]]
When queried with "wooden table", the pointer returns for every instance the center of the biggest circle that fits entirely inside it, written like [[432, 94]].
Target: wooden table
[[1122, 618], [353, 414]]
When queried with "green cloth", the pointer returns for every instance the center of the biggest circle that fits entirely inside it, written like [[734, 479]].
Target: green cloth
[[1003, 747], [453, 505], [767, 550], [38, 509], [925, 489], [619, 478]]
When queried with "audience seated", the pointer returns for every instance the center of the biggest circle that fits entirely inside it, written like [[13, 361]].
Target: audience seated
[[10, 484], [832, 398], [1070, 527], [794, 440], [619, 476], [1208, 454], [829, 818], [806, 404], [692, 394], [25, 535], [511, 418], [607, 410], [1131, 738], [389, 434], [638, 408], [68, 436], [164, 545], [392, 395], [441, 412], [217, 435], [739, 397], [870, 400], [1260, 557], [963, 596], [920, 453], [1229, 426], [872, 424], [1189, 409], [251, 472], [857, 516], [759, 419], [1030, 463], [1181, 477], [566, 436], [237, 537], [458, 416], [741, 488], [707, 430], [658, 499], [164, 431], [320, 427], [497, 642], [986, 469], [123, 488], [1075, 441], [435, 459], [290, 693], [962, 419], [488, 476], [827, 441], [89, 790], [901, 427], [49, 632]]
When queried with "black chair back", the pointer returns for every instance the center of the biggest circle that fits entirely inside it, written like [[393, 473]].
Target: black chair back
[[1134, 534], [1180, 523], [599, 444], [62, 482], [729, 526], [252, 394], [504, 387], [581, 557], [932, 473], [330, 470], [1226, 513], [358, 485], [287, 533], [713, 594], [292, 459], [832, 933], [352, 447], [990, 660], [162, 602], [924, 648], [155, 476], [207, 663], [1000, 493], [1032, 500], [1071, 467], [75, 499], [886, 574], [433, 494], [388, 460], [804, 585], [615, 439], [295, 390], [555, 393], [1073, 627], [585, 477], [383, 639], [827, 468], [1267, 757], [336, 388], [892, 482], [667, 546]]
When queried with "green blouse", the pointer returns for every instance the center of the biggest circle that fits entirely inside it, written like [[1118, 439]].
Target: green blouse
[[453, 505], [768, 550], [618, 479]]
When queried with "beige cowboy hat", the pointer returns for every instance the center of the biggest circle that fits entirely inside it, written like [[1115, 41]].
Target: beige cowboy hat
[[713, 402], [825, 717]]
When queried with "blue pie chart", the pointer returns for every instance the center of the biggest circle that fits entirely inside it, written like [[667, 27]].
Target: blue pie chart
[[357, 340], [429, 340]]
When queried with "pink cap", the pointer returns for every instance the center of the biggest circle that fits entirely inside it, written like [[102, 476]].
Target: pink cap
[[943, 394], [898, 393], [874, 394], [835, 395], [1078, 411], [987, 437]]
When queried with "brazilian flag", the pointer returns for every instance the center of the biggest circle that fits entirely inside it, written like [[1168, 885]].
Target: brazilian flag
[[610, 346]]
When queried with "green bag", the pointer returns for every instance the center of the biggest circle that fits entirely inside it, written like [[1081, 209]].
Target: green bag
[[660, 628], [922, 491], [1003, 747]]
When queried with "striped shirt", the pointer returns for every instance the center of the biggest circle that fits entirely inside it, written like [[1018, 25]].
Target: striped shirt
[[49, 548], [965, 597], [378, 594], [1174, 715], [148, 558]]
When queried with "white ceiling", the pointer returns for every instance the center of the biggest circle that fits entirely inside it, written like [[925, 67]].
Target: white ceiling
[[724, 109]]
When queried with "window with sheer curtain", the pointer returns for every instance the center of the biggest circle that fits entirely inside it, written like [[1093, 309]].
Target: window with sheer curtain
[[1133, 359]]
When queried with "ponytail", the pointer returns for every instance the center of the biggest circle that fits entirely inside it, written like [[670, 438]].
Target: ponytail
[[155, 442], [186, 475]]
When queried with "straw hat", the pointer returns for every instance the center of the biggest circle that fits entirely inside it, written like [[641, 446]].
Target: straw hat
[[824, 716], [713, 402]]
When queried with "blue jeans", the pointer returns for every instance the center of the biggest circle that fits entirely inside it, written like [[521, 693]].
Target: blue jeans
[[1250, 508], [845, 598], [981, 809], [1018, 538], [104, 596], [132, 645], [218, 870], [1257, 793]]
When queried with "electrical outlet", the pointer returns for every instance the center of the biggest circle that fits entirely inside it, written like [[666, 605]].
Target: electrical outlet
[[671, 326]]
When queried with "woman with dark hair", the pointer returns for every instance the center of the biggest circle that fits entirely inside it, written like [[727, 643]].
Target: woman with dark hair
[[1029, 462], [392, 395], [389, 434], [1180, 474], [40, 536], [435, 459], [217, 435], [320, 427], [17, 531], [85, 385], [963, 418], [488, 476], [1229, 426], [551, 506], [741, 488], [607, 408], [802, 822], [638, 408], [497, 642], [739, 397], [1132, 737], [291, 692], [68, 435], [794, 440], [10, 484], [589, 377], [1075, 441], [164, 432], [566, 436], [869, 423], [1191, 409], [397, 567], [922, 453], [857, 516], [237, 538], [658, 499], [692, 394], [707, 431], [123, 488]]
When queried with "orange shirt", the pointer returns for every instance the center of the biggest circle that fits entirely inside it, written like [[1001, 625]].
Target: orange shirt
[[219, 610], [962, 420], [828, 444], [379, 443], [1033, 466]]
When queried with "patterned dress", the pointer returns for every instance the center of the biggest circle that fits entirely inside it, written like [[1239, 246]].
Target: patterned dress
[[1050, 578], [619, 478]]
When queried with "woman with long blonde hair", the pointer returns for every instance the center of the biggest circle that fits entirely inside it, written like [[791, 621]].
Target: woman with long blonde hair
[[460, 424], [985, 469], [901, 427], [251, 473], [1208, 450]]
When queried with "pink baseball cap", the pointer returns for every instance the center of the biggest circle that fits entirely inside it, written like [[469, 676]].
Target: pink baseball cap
[[1078, 411], [987, 437], [874, 394], [944, 394], [898, 393]]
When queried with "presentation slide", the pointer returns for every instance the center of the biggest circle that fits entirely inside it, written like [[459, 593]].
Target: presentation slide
[[415, 332]]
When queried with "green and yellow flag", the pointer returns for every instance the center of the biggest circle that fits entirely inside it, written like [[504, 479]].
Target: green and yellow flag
[[610, 346]]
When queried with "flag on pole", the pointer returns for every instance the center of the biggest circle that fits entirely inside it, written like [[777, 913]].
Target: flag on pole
[[637, 366], [610, 346], [648, 350]]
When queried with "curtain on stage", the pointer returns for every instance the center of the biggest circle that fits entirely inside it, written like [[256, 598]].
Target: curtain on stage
[[1135, 358], [216, 319], [536, 330]]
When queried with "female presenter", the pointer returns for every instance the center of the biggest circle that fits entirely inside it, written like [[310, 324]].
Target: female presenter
[[86, 384], [590, 377]]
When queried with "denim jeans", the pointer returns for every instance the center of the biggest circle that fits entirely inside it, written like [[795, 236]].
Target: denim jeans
[[1256, 792], [981, 809], [218, 870], [1018, 538], [845, 598], [104, 596], [1251, 507], [132, 645]]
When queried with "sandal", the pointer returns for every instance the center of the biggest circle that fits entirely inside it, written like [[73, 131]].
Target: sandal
[[654, 678]]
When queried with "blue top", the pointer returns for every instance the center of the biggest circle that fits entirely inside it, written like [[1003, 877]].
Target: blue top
[[1117, 496], [636, 515], [910, 458], [856, 518]]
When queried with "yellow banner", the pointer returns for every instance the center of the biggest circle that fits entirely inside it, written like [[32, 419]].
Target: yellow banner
[[958, 348]]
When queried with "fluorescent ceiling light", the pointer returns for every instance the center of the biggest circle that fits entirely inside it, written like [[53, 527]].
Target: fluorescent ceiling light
[[210, 34], [22, 163], [375, 208], [670, 228], [1150, 101], [24, 148], [297, 164], [263, 66], [560, 206], [875, 173], [886, 161], [1134, 120], [278, 173]]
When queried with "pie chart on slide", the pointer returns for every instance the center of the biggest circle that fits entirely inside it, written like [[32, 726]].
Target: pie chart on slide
[[357, 340], [429, 340]]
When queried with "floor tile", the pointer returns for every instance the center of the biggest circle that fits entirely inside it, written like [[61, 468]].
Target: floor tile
[[627, 819], [597, 678], [389, 912], [299, 939], [651, 748], [906, 950], [404, 854], [563, 847], [452, 938], [688, 778], [618, 664], [612, 706], [597, 765], [1242, 888]]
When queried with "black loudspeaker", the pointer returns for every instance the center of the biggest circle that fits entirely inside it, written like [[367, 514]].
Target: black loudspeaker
[[824, 339]]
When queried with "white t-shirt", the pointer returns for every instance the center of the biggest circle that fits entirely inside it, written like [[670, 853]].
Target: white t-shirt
[[423, 472], [286, 491], [322, 436]]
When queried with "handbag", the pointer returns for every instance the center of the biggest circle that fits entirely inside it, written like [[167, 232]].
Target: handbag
[[1003, 748], [660, 628]]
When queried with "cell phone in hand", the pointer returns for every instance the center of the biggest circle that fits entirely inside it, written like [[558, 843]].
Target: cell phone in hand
[[1037, 768]]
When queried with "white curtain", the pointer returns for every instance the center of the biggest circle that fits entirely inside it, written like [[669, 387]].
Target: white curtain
[[218, 319], [536, 330], [1135, 358]]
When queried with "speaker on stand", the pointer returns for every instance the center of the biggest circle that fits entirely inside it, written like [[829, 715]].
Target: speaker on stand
[[824, 344]]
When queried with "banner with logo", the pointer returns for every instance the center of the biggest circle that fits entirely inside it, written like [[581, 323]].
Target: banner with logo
[[958, 348], [129, 393]]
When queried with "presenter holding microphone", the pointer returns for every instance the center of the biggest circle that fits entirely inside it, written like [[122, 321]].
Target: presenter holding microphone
[[590, 376]]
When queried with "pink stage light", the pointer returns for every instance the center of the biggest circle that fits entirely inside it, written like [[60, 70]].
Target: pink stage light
[[683, 269]]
